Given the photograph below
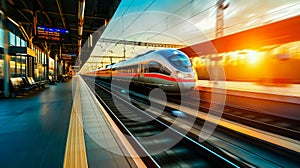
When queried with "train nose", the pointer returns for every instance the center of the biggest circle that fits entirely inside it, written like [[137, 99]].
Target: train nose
[[190, 75], [186, 81]]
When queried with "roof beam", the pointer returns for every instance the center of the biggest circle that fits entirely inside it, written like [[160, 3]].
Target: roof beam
[[92, 14], [65, 14], [61, 13], [23, 15], [44, 12], [28, 20], [26, 5], [85, 30]]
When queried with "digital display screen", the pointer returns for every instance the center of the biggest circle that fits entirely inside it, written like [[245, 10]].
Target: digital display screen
[[52, 34], [67, 56]]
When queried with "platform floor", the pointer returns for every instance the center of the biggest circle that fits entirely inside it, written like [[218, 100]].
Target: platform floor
[[34, 128], [43, 130], [287, 90], [102, 147]]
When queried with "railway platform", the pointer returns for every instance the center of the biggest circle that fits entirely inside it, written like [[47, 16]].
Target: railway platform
[[63, 125], [34, 127], [289, 90], [270, 99], [45, 129]]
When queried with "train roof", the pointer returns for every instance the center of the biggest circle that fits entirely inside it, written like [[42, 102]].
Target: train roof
[[163, 52], [146, 53]]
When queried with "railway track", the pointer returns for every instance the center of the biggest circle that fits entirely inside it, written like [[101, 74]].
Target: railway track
[[281, 126], [185, 153], [247, 152]]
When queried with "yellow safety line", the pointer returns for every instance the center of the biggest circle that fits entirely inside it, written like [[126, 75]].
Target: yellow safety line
[[135, 157], [138, 161], [75, 153]]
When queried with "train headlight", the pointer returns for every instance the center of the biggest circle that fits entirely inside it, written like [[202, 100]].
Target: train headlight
[[180, 75], [190, 75]]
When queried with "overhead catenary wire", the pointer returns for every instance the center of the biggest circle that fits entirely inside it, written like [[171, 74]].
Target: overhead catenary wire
[[137, 17], [198, 13], [212, 7], [243, 22]]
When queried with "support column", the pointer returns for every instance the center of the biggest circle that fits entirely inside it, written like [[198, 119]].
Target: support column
[[55, 67], [6, 64], [47, 63], [6, 56], [220, 18], [64, 67]]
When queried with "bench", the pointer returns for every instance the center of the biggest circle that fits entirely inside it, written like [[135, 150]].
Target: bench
[[51, 80], [40, 84], [28, 83], [17, 86]]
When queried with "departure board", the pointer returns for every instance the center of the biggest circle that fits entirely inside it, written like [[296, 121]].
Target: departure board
[[51, 34], [67, 56]]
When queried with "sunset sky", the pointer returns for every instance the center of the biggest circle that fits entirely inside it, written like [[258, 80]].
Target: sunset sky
[[240, 15], [185, 22]]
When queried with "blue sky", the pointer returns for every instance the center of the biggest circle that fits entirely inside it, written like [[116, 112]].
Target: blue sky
[[240, 15], [184, 22]]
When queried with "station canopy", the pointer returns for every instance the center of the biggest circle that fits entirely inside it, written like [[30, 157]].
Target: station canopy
[[61, 26]]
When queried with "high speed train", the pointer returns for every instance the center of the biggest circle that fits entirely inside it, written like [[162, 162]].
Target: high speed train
[[168, 69]]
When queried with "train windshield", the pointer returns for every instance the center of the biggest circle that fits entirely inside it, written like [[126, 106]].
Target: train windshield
[[181, 61]]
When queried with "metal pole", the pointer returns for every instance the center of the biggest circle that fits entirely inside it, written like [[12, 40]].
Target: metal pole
[[63, 67], [220, 18], [47, 63], [6, 58], [55, 67], [124, 52]]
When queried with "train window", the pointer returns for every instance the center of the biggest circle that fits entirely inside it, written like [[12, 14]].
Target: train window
[[128, 69], [155, 67], [134, 68], [146, 68], [165, 71], [180, 60]]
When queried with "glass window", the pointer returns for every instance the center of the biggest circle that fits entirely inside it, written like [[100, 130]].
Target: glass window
[[146, 68], [38, 56], [18, 41], [1, 68], [155, 67], [23, 63], [133, 69], [180, 60], [12, 39], [2, 38], [23, 43], [17, 66], [165, 71], [43, 58], [13, 66]]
